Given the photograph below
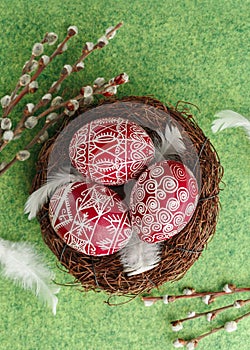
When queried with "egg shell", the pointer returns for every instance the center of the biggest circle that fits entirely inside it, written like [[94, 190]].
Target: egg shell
[[163, 201], [90, 218], [111, 150]]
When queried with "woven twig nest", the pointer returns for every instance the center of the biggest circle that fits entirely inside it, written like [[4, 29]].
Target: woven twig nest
[[178, 253]]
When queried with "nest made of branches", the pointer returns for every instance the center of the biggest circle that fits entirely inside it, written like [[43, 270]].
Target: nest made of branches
[[179, 252]]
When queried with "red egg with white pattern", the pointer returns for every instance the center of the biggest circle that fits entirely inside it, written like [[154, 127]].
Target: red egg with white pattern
[[90, 218], [163, 201], [111, 150]]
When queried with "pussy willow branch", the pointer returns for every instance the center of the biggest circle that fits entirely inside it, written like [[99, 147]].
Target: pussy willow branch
[[96, 91], [20, 125], [214, 312], [213, 295], [40, 69], [31, 143], [214, 330]]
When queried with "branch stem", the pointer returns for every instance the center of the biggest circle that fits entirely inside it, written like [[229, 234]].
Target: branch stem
[[215, 312]]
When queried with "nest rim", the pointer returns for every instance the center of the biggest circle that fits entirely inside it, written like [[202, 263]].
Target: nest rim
[[179, 253]]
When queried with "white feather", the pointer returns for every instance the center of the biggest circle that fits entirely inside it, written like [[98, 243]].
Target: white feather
[[24, 266], [38, 198], [171, 142], [230, 119], [138, 256]]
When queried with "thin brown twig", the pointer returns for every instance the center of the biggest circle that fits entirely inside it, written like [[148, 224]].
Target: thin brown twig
[[213, 295], [213, 312], [214, 330]]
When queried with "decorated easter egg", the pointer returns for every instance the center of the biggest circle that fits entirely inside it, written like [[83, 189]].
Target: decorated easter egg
[[90, 218], [111, 150], [163, 201]]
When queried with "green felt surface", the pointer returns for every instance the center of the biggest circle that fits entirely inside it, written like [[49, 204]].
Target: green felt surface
[[196, 51]]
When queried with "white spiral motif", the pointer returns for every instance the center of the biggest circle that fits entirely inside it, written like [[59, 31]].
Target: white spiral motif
[[141, 208], [178, 219], [169, 183], [164, 216], [168, 228], [150, 186], [160, 194], [138, 194], [142, 177], [158, 237], [193, 187], [182, 194], [146, 230], [173, 204], [147, 239], [152, 204], [138, 221], [147, 220], [156, 171], [156, 227], [190, 209], [178, 171]]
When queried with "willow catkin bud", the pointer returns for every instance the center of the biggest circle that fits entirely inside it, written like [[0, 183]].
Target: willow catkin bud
[[72, 30], [50, 117], [179, 343], [88, 100], [230, 326], [23, 155], [110, 91], [30, 67], [30, 122], [86, 91], [37, 49], [67, 69], [72, 105], [57, 101], [88, 46], [112, 35], [121, 79], [28, 108], [24, 79], [103, 41], [44, 137], [68, 112], [191, 345], [8, 135], [79, 66], [51, 38], [44, 60], [46, 98], [33, 87], [5, 101], [99, 82], [2, 165], [6, 124], [177, 326]]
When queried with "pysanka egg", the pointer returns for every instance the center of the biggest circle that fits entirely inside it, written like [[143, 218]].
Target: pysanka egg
[[111, 150], [163, 201], [90, 218]]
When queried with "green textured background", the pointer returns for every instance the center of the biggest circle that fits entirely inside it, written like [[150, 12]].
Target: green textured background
[[196, 51]]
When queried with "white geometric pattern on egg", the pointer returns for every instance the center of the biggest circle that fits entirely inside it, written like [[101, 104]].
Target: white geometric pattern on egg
[[111, 150], [163, 201], [90, 218]]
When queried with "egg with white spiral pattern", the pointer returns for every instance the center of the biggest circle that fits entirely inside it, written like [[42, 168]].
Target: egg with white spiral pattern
[[163, 201]]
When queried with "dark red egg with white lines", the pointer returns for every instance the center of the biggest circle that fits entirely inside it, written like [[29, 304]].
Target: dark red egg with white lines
[[163, 201], [90, 218], [111, 150]]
